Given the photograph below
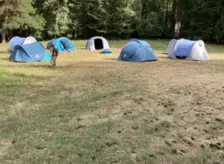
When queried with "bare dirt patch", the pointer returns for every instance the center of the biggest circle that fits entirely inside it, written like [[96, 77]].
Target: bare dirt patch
[[4, 146]]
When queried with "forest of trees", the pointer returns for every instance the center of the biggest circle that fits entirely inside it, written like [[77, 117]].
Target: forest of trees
[[116, 19]]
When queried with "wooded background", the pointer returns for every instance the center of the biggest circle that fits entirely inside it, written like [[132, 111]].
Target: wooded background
[[115, 19]]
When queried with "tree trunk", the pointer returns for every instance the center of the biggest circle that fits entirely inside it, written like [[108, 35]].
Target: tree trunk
[[3, 36], [177, 30], [173, 16], [5, 20], [166, 12], [211, 32]]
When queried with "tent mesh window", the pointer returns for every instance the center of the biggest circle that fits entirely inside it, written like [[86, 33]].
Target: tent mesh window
[[98, 44]]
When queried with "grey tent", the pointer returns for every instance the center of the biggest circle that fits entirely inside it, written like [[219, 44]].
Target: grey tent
[[171, 46], [97, 43]]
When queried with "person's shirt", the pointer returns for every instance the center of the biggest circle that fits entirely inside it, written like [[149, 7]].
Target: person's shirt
[[54, 52]]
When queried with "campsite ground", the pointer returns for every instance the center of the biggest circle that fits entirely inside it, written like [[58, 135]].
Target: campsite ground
[[94, 109]]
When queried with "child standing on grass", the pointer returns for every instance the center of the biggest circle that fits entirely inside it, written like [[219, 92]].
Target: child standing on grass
[[54, 55]]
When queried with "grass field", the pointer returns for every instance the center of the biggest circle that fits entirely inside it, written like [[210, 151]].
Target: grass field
[[93, 109]]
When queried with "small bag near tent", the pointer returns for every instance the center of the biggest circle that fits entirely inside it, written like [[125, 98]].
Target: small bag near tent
[[189, 50], [137, 51], [63, 44], [106, 52], [19, 41], [33, 52], [97, 43]]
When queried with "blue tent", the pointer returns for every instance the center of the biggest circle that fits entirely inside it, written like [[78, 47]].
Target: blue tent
[[62, 44], [137, 51], [33, 52], [183, 48], [142, 42], [19, 41], [15, 41]]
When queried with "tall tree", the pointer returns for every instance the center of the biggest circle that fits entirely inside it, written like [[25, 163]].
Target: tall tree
[[91, 16], [75, 28], [56, 14], [16, 14], [149, 19], [196, 19], [120, 15]]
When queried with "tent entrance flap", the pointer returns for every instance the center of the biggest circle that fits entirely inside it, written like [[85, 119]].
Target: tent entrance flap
[[65, 44], [181, 57], [98, 44]]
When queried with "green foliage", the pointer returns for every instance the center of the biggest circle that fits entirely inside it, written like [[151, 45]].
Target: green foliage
[[17, 14], [91, 15], [149, 26], [104, 17], [56, 14], [120, 17], [45, 19], [203, 19]]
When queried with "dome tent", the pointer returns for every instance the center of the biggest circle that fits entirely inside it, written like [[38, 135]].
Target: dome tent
[[189, 50], [97, 43], [171, 46], [33, 52], [142, 42], [19, 41], [62, 44], [137, 51]]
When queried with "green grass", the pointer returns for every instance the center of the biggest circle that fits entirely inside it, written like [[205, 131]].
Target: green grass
[[94, 109]]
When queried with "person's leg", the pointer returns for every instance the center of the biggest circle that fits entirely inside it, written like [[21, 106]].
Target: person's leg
[[55, 58], [52, 61]]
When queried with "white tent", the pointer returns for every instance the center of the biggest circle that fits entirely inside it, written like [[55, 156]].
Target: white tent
[[29, 40], [198, 52], [192, 50], [171, 46], [97, 43]]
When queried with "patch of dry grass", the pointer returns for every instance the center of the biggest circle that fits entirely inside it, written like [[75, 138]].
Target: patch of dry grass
[[94, 109], [4, 146]]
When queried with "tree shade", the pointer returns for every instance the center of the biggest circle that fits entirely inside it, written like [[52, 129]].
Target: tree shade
[[45, 19]]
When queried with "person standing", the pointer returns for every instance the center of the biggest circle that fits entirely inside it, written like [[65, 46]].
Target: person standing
[[54, 55]]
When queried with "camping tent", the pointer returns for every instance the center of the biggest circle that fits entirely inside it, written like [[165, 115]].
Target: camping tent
[[189, 50], [136, 52], [19, 41], [171, 46], [62, 44], [33, 52], [97, 43], [142, 42]]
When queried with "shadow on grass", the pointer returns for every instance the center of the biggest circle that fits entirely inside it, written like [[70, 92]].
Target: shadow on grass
[[24, 65], [82, 48], [3, 52], [4, 58], [112, 59], [163, 57], [48, 66]]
